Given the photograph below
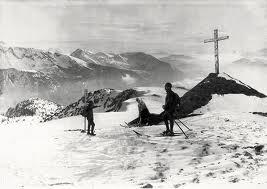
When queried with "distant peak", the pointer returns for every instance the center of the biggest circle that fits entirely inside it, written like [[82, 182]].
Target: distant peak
[[80, 51], [77, 51], [55, 50]]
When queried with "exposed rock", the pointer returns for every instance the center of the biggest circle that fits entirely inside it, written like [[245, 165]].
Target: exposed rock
[[220, 84], [34, 107], [261, 113], [258, 149], [147, 186], [107, 99]]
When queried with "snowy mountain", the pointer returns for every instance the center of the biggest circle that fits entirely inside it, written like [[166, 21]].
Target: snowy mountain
[[226, 147], [28, 72], [220, 84], [34, 107], [146, 65], [66, 75], [54, 64], [28, 80], [104, 59], [61, 78]]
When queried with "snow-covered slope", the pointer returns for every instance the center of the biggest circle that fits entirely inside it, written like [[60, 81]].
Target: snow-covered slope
[[224, 149], [235, 103], [220, 84]]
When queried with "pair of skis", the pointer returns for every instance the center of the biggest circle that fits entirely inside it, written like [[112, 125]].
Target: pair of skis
[[162, 135], [158, 135]]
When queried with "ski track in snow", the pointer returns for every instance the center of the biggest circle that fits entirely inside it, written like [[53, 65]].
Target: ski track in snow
[[219, 151]]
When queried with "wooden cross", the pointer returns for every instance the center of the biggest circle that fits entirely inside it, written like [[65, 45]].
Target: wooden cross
[[216, 50]]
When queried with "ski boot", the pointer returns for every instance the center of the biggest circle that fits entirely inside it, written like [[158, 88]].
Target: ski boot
[[165, 132], [170, 133], [92, 133]]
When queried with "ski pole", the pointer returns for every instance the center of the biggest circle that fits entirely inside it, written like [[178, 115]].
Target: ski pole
[[184, 124], [85, 98], [181, 129]]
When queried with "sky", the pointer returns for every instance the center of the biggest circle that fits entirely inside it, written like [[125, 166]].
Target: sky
[[152, 26]]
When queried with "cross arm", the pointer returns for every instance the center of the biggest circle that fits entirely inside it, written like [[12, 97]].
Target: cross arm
[[208, 40], [223, 38]]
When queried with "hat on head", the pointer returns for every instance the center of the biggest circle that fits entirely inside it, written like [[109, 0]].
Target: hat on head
[[168, 85]]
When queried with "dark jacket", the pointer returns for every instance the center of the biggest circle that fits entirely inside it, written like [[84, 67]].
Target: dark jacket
[[88, 111], [171, 101]]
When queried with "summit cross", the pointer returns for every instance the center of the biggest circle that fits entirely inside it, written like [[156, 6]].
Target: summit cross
[[216, 39]]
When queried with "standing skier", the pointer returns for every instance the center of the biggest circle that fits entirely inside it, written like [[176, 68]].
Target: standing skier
[[171, 101], [89, 114]]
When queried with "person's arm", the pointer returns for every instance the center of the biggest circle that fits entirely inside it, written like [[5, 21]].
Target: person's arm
[[95, 107]]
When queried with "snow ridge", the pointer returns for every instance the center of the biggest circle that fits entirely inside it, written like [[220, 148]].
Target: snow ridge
[[34, 107]]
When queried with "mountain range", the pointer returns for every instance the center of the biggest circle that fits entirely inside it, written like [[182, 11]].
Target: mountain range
[[59, 77]]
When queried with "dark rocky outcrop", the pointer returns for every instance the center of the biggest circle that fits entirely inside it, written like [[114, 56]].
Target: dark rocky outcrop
[[108, 100], [34, 106], [220, 84]]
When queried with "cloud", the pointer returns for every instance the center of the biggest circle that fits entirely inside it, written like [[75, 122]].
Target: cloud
[[136, 2], [139, 25], [128, 79]]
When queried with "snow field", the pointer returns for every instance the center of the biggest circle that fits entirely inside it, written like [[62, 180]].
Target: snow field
[[219, 152]]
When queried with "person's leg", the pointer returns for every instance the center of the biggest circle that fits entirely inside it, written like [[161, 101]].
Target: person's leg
[[171, 118], [93, 128], [165, 119], [89, 124]]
